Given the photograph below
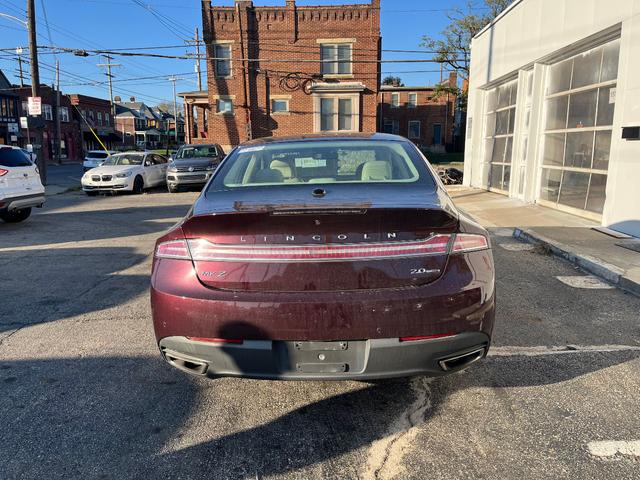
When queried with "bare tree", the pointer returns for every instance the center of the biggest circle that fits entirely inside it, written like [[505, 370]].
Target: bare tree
[[452, 46]]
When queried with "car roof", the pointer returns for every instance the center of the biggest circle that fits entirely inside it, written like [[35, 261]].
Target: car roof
[[325, 137]]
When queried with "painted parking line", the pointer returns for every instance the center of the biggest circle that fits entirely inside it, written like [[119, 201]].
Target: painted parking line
[[517, 247], [585, 281], [614, 448]]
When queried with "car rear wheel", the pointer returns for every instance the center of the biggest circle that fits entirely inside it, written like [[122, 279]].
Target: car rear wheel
[[138, 185], [16, 216]]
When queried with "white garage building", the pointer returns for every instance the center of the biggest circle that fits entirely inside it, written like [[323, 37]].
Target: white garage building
[[553, 85]]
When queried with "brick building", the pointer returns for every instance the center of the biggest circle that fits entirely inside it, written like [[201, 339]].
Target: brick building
[[94, 113], [421, 114], [333, 50], [9, 113], [70, 138]]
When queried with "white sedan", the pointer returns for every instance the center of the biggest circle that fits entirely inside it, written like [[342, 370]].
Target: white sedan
[[132, 172]]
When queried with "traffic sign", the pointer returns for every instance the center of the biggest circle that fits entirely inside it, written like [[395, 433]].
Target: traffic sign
[[35, 106], [24, 122]]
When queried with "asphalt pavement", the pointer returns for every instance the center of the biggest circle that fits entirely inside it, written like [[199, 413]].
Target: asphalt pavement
[[85, 395]]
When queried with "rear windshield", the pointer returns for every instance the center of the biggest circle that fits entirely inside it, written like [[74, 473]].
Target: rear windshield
[[321, 162], [196, 152], [99, 155], [10, 157]]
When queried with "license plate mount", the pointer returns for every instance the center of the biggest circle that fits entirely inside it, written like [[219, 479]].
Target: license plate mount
[[321, 346]]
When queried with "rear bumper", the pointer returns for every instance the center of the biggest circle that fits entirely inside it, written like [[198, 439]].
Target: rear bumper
[[347, 360], [25, 201]]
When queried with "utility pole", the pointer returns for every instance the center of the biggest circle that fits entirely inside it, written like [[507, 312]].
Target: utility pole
[[196, 42], [35, 80], [109, 66], [58, 131], [198, 71], [175, 109]]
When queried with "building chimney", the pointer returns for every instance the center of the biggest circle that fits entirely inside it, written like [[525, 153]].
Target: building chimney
[[132, 99], [117, 99]]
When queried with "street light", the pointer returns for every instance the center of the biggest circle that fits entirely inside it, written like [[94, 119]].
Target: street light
[[24, 23]]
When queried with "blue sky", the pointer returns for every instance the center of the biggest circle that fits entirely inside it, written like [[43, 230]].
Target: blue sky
[[113, 24]]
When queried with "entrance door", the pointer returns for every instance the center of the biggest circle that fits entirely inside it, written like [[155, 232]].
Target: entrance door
[[437, 134]]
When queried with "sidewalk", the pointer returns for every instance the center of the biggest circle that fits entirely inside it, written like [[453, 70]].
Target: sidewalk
[[61, 178], [566, 236]]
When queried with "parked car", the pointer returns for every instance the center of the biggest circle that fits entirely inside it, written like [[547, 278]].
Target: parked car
[[95, 158], [131, 171], [324, 257], [193, 165], [20, 185]]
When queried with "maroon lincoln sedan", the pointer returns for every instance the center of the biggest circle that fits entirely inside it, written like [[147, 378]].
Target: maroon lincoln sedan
[[323, 257]]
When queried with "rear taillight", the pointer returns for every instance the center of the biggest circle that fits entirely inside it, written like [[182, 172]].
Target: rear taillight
[[202, 250], [205, 251], [173, 249], [466, 242], [3, 172]]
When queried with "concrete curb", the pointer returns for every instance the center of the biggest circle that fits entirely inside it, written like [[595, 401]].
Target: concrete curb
[[611, 273]]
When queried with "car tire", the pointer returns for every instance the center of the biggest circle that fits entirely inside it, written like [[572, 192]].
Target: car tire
[[138, 185], [16, 216]]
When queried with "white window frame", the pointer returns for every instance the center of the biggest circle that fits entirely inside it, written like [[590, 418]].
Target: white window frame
[[413, 137], [413, 104], [336, 60], [47, 112], [287, 101], [229, 45], [228, 100], [355, 111], [99, 114], [395, 100], [107, 120], [64, 114]]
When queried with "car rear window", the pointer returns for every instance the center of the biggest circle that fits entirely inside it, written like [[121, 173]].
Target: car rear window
[[321, 162], [10, 157], [100, 155]]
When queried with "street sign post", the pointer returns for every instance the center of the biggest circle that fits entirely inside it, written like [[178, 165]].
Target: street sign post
[[24, 122]]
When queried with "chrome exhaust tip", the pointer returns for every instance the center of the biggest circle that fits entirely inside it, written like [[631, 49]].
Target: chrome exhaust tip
[[462, 361], [185, 363]]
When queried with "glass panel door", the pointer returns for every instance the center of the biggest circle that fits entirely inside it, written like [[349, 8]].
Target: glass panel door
[[579, 103]]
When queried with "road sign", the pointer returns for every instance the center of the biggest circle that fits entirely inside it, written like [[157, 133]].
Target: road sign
[[24, 122], [13, 127], [35, 106]]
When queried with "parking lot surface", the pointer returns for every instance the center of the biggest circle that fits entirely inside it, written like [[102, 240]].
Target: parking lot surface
[[84, 393]]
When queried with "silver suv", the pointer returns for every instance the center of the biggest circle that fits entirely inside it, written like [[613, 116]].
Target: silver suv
[[193, 165]]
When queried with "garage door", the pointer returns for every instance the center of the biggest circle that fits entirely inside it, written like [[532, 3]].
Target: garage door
[[579, 106]]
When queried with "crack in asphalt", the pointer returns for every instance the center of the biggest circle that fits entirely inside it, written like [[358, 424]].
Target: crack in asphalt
[[386, 454]]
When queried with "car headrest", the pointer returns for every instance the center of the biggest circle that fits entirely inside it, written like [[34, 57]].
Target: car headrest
[[268, 175], [376, 171], [282, 167]]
